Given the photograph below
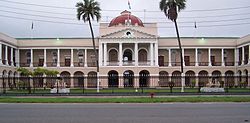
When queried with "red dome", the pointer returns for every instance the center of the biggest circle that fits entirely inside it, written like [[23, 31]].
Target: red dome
[[125, 15]]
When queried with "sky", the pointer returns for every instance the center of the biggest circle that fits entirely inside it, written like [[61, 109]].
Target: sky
[[57, 18]]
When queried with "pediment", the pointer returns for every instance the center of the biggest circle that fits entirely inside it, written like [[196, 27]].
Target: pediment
[[128, 33]]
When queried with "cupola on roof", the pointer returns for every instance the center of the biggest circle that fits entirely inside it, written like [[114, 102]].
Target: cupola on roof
[[125, 18]]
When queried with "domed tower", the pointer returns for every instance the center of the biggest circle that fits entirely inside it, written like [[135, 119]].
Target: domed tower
[[126, 18], [126, 46], [131, 25]]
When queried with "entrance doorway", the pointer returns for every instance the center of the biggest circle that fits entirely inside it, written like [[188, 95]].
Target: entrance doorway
[[113, 79], [128, 78], [144, 78]]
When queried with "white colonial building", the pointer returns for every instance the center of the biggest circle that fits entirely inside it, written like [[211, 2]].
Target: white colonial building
[[128, 48]]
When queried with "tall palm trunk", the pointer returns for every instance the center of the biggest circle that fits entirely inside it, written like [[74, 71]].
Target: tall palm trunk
[[179, 42], [181, 55], [93, 41], [96, 55]]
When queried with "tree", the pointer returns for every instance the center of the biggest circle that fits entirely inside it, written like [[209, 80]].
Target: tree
[[90, 10], [39, 71], [171, 9], [51, 72], [24, 71]]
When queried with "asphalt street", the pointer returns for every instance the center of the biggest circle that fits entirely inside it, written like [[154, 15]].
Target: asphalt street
[[126, 113]]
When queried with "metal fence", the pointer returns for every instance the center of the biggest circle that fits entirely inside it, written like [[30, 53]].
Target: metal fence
[[123, 84]]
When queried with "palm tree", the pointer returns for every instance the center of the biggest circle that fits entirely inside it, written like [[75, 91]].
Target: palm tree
[[90, 10], [171, 9]]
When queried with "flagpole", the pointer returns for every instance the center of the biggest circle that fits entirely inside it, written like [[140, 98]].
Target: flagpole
[[144, 15], [129, 7], [32, 27]]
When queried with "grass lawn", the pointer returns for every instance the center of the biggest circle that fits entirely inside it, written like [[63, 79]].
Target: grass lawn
[[235, 90], [125, 99]]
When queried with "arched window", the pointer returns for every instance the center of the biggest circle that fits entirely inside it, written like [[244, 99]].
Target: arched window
[[190, 78], [113, 55], [144, 78], [128, 78], [92, 80], [113, 79], [203, 78], [176, 78], [127, 55], [229, 78], [66, 78], [79, 79], [163, 78], [143, 55]]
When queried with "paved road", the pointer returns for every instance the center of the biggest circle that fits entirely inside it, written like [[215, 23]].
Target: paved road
[[126, 113]]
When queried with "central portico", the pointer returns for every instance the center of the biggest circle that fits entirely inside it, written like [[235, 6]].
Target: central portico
[[128, 47]]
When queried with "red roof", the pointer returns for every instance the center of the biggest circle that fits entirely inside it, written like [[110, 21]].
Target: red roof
[[125, 15]]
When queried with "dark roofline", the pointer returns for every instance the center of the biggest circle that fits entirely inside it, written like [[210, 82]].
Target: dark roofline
[[52, 38], [200, 37], [159, 38]]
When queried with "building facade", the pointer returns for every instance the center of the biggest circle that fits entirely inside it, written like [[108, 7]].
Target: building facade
[[128, 48]]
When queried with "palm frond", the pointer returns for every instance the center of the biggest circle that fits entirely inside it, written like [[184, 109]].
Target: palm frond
[[172, 7], [181, 4], [88, 9], [162, 5]]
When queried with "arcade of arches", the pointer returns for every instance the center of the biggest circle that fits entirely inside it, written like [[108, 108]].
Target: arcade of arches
[[130, 79]]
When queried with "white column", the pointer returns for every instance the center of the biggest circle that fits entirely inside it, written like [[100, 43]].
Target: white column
[[105, 54], [6, 55], [100, 54], [156, 54], [236, 58], [183, 56], [248, 80], [85, 58], [136, 54], [169, 58], [196, 80], [243, 55], [17, 58], [151, 54], [1, 56], [222, 57], [58, 57], [209, 57], [182, 82], [31, 57], [120, 54], [196, 57], [170, 77], [11, 56], [248, 55], [72, 81], [45, 58], [72, 57]]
